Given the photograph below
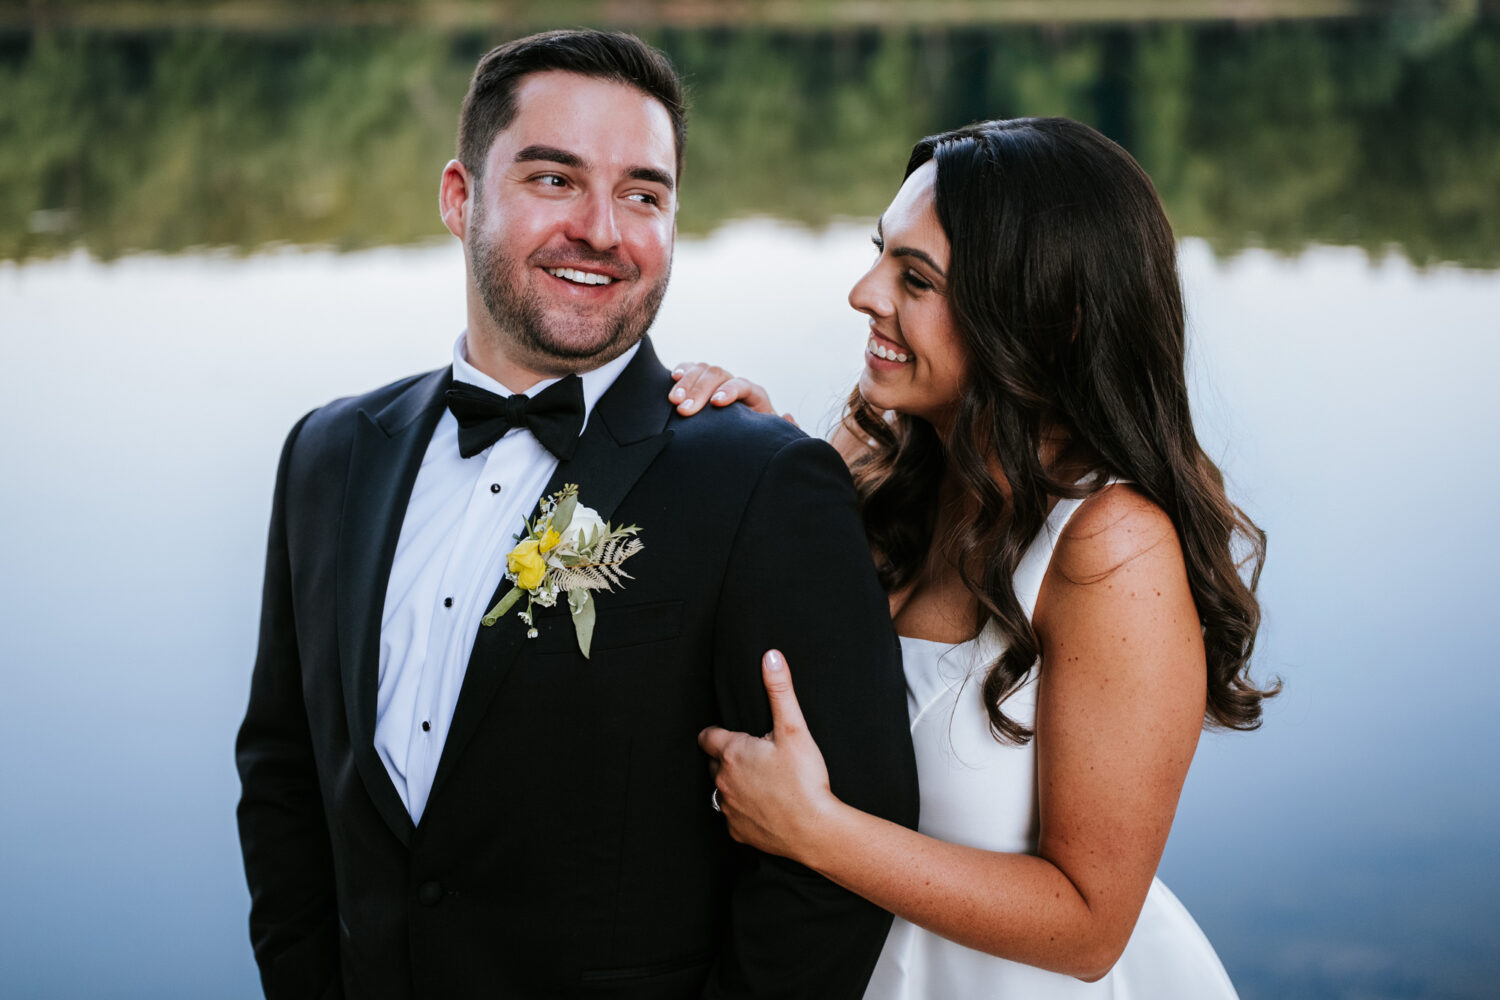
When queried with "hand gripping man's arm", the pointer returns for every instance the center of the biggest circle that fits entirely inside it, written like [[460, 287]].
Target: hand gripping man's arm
[[801, 580]]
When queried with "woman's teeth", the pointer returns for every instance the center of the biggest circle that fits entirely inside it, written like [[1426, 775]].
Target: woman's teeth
[[881, 351], [580, 277]]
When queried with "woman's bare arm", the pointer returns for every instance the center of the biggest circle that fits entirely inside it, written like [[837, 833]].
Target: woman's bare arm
[[1120, 705]]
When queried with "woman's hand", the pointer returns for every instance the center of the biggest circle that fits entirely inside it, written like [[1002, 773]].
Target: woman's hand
[[699, 383], [773, 790]]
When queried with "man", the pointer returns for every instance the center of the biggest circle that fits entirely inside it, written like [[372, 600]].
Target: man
[[434, 807]]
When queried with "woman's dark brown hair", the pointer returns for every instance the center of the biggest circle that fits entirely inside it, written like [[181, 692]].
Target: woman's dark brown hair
[[1064, 289]]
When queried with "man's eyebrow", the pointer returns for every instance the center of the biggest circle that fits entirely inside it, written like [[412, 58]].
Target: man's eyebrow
[[652, 176], [551, 154], [921, 255]]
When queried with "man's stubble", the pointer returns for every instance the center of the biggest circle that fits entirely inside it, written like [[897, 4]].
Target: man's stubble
[[520, 318]]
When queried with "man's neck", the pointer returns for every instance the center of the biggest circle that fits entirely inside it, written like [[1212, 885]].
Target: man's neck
[[487, 356]]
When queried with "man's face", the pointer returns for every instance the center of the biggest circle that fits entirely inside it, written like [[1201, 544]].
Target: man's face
[[570, 231]]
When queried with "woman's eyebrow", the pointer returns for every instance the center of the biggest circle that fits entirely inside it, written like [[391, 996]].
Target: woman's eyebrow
[[921, 255]]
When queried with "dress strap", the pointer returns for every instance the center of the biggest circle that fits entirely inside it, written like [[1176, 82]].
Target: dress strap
[[1033, 566]]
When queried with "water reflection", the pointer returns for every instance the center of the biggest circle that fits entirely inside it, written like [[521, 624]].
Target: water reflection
[[1345, 387], [1343, 851], [1374, 132]]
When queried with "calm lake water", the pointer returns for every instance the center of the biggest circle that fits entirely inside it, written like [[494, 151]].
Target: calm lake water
[[186, 267]]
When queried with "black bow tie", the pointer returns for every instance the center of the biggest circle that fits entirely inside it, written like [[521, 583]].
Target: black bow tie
[[554, 416]]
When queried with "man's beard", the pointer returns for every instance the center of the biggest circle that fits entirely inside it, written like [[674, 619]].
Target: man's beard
[[517, 310]]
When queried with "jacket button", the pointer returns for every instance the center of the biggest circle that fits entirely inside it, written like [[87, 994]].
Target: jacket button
[[430, 894]]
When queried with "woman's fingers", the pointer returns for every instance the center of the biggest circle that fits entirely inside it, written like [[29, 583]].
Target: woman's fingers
[[699, 384], [742, 390], [696, 382], [714, 740], [786, 714]]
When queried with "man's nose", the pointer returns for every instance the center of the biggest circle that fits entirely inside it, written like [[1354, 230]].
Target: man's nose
[[594, 222]]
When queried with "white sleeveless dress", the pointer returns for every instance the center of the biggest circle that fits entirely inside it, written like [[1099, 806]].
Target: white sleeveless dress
[[980, 792]]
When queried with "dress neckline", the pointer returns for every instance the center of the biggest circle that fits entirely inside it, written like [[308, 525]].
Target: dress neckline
[[988, 627]]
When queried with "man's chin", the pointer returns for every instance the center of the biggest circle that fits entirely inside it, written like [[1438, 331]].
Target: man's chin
[[562, 355]]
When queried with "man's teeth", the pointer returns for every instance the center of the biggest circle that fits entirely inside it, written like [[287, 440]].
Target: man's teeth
[[881, 351], [581, 277]]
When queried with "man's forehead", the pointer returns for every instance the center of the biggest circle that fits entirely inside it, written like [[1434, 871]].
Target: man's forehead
[[593, 118]]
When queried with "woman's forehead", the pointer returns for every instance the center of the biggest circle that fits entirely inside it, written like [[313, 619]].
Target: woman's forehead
[[912, 215]]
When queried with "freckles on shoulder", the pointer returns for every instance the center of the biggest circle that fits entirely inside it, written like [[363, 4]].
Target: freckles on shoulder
[[1116, 617], [1118, 581]]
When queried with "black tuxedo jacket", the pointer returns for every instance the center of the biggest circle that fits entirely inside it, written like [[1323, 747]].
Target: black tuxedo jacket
[[568, 848]]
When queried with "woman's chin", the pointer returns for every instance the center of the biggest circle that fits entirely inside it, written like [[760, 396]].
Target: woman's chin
[[877, 395]]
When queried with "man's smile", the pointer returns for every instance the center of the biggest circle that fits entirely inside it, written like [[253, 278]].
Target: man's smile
[[578, 277]]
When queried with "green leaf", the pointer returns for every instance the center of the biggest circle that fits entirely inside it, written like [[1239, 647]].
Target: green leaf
[[581, 604], [503, 605], [563, 515]]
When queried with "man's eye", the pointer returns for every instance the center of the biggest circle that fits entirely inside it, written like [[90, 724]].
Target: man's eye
[[552, 180], [645, 199]]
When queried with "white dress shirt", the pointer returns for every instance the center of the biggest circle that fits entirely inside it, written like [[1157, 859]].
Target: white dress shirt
[[460, 524]]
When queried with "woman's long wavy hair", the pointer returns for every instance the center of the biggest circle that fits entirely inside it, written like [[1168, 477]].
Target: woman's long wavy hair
[[1064, 290]]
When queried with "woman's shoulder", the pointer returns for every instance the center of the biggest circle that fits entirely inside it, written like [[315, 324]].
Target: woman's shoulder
[[1119, 536], [1116, 597]]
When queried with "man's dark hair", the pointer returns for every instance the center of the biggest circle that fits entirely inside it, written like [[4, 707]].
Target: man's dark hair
[[490, 105]]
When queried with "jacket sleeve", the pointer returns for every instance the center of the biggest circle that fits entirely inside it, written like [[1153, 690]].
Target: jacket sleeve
[[801, 580], [283, 830]]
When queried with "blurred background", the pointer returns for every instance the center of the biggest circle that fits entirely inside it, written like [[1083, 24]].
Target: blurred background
[[217, 215]]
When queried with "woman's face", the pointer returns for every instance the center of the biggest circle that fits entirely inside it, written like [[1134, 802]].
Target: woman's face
[[914, 363]]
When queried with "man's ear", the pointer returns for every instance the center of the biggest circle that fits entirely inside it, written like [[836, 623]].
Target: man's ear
[[453, 198]]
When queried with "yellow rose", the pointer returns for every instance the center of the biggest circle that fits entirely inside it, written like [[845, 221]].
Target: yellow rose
[[549, 541], [527, 564]]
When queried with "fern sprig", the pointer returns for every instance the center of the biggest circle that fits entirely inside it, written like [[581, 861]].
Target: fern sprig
[[603, 571]]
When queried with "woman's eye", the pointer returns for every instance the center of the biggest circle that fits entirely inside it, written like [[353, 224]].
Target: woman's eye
[[916, 281], [879, 243]]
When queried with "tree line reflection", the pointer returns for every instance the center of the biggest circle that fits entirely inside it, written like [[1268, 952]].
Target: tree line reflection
[[1379, 133]]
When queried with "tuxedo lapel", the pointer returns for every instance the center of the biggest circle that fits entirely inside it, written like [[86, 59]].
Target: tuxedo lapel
[[387, 452], [625, 433]]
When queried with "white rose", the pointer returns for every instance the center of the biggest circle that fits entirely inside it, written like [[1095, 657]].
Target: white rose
[[585, 528]]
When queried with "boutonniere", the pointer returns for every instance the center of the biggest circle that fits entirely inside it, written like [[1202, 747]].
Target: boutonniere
[[568, 549]]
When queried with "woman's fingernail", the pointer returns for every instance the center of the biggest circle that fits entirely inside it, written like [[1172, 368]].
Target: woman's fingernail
[[774, 660], [677, 392], [718, 396], [687, 404], [677, 373]]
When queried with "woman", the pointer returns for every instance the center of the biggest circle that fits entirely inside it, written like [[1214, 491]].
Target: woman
[[1064, 571]]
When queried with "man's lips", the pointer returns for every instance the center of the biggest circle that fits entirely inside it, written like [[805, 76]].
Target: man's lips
[[579, 276], [584, 270]]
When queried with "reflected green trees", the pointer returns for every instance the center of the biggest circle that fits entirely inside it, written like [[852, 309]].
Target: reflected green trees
[[1375, 133]]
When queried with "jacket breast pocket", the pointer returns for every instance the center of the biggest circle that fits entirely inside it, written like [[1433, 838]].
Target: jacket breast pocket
[[615, 626]]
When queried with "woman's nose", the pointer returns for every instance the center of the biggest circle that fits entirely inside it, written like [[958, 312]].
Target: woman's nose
[[867, 296]]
